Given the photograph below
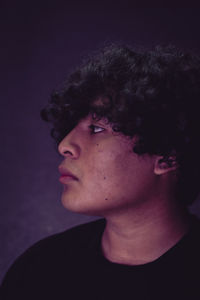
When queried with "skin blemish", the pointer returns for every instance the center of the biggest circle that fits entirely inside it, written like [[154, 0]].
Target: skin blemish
[[106, 199], [97, 144], [104, 178]]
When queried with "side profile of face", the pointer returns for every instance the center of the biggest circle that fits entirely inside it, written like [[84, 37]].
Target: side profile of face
[[111, 178]]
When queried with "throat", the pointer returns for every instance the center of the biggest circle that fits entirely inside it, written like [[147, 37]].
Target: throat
[[139, 245]]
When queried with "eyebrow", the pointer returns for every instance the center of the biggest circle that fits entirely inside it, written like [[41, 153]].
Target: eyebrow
[[104, 120]]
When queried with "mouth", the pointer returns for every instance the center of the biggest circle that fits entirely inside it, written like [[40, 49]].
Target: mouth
[[66, 175], [65, 179]]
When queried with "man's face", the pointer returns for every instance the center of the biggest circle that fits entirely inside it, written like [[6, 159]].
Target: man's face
[[111, 177]]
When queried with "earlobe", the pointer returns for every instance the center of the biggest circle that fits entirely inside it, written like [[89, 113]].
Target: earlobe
[[164, 165]]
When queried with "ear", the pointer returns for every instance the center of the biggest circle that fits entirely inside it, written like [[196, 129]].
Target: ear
[[164, 165]]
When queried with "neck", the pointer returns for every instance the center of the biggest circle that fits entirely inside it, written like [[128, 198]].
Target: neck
[[142, 235]]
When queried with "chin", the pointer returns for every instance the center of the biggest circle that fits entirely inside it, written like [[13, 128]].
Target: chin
[[77, 206]]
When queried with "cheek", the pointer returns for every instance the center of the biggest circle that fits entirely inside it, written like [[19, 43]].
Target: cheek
[[118, 174], [107, 170]]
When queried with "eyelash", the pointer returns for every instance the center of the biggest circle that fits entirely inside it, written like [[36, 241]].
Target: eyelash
[[92, 127]]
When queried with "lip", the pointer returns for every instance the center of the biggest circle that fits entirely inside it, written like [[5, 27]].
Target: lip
[[65, 179], [66, 175]]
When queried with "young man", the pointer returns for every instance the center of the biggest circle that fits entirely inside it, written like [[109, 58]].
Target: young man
[[127, 127]]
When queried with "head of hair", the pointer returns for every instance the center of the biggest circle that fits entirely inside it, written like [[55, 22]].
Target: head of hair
[[153, 94]]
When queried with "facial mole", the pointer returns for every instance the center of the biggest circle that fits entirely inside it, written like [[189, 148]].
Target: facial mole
[[104, 178], [106, 198], [97, 144]]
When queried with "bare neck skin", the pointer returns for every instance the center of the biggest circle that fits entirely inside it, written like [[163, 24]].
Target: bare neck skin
[[143, 234]]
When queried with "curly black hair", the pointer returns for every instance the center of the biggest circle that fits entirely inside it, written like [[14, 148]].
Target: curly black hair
[[153, 94]]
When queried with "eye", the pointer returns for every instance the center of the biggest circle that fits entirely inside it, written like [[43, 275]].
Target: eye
[[95, 129]]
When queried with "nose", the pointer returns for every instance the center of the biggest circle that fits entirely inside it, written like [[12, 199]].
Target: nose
[[69, 146]]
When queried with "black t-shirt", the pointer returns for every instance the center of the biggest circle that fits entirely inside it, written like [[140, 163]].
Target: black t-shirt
[[70, 265]]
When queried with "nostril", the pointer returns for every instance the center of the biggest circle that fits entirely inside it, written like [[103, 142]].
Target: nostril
[[66, 152]]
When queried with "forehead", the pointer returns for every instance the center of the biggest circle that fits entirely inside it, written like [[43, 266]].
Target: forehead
[[101, 101], [101, 106], [97, 111]]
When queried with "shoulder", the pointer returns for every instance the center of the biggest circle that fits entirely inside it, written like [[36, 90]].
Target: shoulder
[[67, 240], [54, 253], [73, 237]]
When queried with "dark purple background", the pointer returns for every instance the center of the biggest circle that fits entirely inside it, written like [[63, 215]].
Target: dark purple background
[[40, 45]]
